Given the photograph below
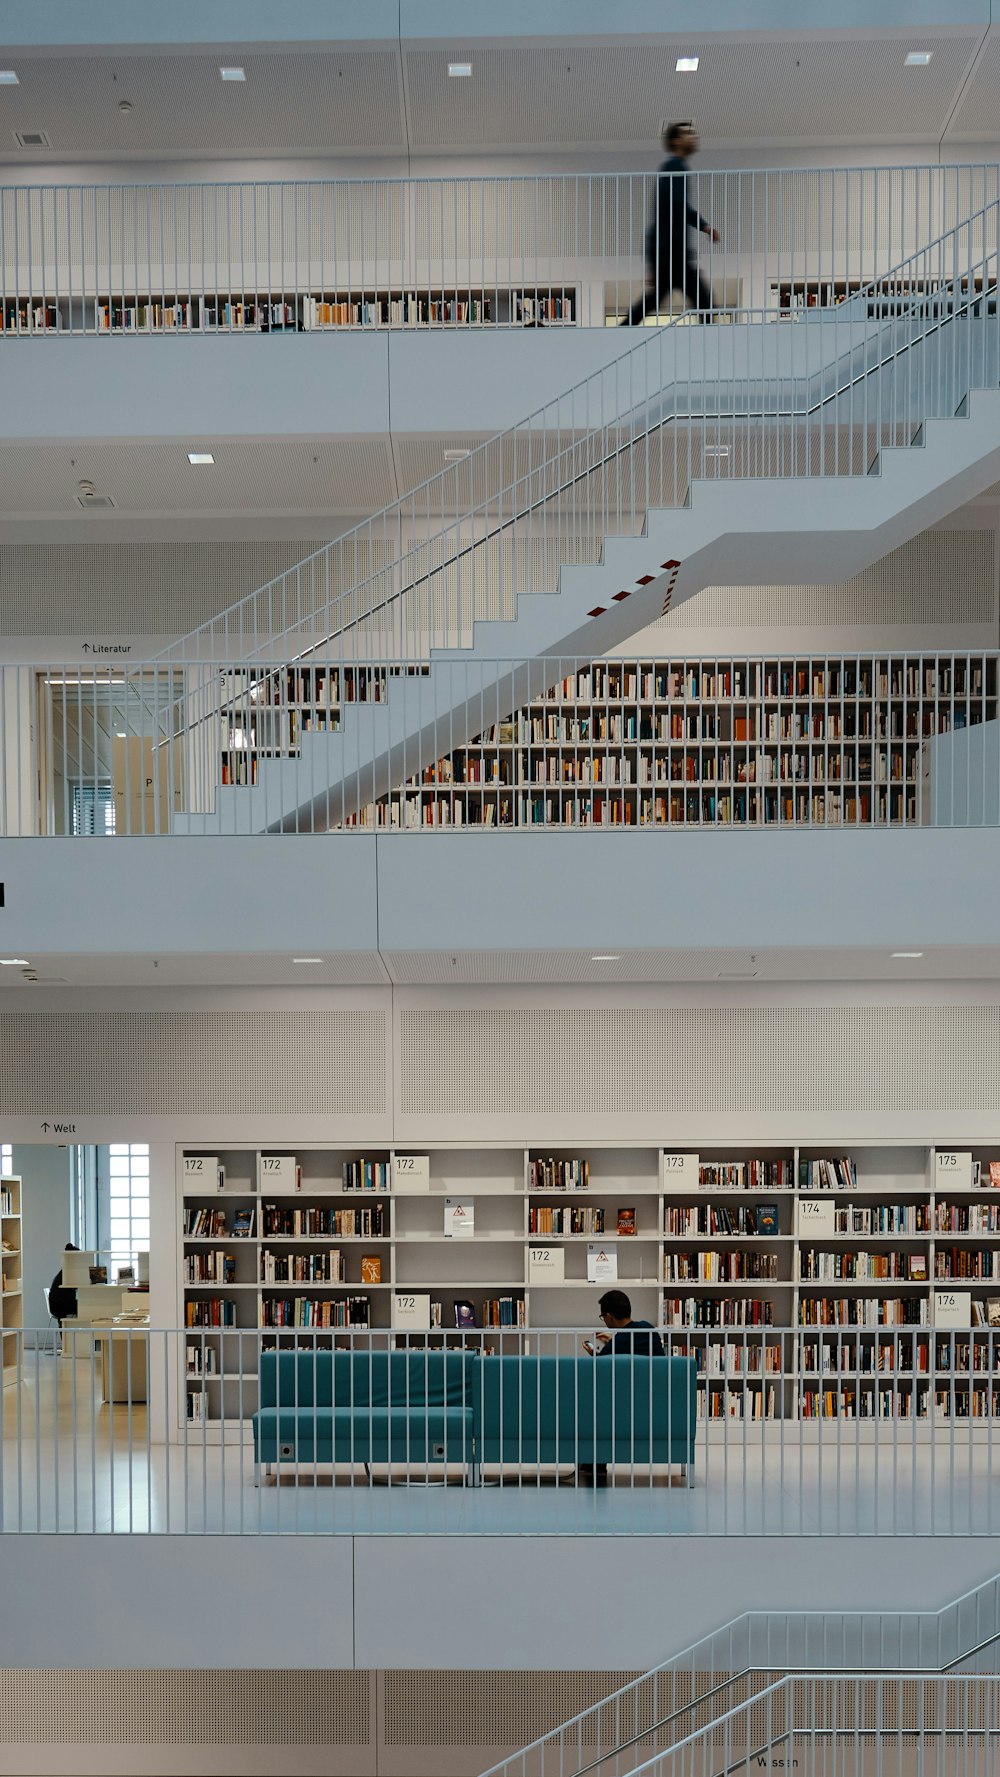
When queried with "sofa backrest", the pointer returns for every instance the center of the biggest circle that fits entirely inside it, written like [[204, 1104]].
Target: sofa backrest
[[629, 1395], [323, 1378]]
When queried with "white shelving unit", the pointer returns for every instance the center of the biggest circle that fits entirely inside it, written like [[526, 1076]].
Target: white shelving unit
[[12, 1276], [873, 1289]]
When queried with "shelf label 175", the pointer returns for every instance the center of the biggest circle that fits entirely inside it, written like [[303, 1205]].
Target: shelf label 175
[[952, 1168]]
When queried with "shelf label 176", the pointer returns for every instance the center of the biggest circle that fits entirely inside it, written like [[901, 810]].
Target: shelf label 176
[[952, 1308]]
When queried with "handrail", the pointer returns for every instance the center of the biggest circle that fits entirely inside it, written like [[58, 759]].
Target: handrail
[[686, 1660], [443, 549]]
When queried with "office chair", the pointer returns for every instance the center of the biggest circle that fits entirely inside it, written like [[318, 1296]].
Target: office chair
[[57, 1340]]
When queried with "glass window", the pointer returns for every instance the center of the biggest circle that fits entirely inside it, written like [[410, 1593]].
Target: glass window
[[128, 1203]]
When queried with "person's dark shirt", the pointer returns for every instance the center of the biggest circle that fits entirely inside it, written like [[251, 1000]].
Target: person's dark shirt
[[639, 1339], [62, 1299], [674, 214]]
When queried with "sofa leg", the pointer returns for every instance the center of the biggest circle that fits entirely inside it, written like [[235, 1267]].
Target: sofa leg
[[256, 1474], [689, 1474], [473, 1475]]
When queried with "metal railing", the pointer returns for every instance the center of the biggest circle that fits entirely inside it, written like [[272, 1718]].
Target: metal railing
[[566, 486], [701, 1682], [847, 1725], [883, 739], [264, 256], [125, 1428]]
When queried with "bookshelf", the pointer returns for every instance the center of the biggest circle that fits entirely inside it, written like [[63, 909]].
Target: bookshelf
[[752, 741], [807, 1283], [11, 1277], [264, 311], [891, 296]]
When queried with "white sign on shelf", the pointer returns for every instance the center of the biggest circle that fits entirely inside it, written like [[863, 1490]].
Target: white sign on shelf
[[952, 1308], [459, 1218], [411, 1172], [680, 1172], [952, 1170], [413, 1312], [546, 1264], [816, 1215], [602, 1264], [277, 1172], [202, 1172]]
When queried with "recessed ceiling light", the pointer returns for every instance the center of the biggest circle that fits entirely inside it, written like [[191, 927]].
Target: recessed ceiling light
[[898, 955], [307, 959], [918, 58], [736, 975], [120, 734], [455, 456], [607, 956], [200, 456], [459, 70], [716, 450], [686, 65], [8, 77], [232, 74], [14, 962]]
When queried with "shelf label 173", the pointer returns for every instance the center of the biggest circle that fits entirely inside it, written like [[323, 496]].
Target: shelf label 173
[[680, 1172]]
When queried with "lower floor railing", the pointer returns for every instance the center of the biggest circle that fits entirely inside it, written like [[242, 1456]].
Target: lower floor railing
[[822, 1430]]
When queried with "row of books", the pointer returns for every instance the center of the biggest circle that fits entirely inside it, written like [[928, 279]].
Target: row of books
[[544, 1218], [210, 1267], [716, 1311], [849, 1403], [558, 1175], [202, 1360], [216, 1312], [717, 1403], [967, 1218], [966, 1262], [840, 1174], [746, 1175], [831, 1267], [718, 1218], [863, 1311], [325, 1267], [306, 1311], [299, 1222], [6, 1201], [719, 1267], [733, 1360], [366, 1175]]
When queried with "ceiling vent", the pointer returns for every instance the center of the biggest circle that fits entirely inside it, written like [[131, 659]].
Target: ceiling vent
[[32, 139], [95, 502]]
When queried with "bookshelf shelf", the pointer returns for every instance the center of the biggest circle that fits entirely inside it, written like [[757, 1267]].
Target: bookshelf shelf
[[871, 1342], [11, 1276]]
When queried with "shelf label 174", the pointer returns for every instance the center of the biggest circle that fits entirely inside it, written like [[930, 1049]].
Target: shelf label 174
[[680, 1172], [952, 1169]]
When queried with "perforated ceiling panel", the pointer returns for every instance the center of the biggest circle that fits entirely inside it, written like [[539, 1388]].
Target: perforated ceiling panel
[[976, 116], [491, 1709], [131, 588], [183, 1708], [520, 1061], [169, 1063], [938, 577], [153, 475], [759, 90], [346, 100]]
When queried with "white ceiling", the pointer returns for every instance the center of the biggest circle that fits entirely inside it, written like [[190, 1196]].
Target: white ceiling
[[720, 969], [395, 99]]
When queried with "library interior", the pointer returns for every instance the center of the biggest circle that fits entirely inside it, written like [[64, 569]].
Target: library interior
[[500, 1151]]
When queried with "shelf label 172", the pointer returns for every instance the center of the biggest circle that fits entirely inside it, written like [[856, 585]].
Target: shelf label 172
[[411, 1172], [412, 1311], [680, 1172]]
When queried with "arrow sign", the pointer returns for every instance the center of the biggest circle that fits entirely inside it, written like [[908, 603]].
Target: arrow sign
[[45, 1126], [86, 647]]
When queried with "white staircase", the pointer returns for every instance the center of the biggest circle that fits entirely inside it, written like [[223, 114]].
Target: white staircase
[[836, 446]]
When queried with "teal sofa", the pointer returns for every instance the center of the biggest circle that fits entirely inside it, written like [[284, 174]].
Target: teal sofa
[[583, 1410], [425, 1408], [405, 1407]]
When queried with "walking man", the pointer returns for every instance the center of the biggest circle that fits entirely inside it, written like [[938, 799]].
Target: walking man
[[671, 263]]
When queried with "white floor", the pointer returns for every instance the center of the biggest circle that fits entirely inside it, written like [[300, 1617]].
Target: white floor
[[77, 1465]]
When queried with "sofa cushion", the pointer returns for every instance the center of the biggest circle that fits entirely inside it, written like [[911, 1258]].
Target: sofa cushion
[[325, 1378], [376, 1434], [622, 1408]]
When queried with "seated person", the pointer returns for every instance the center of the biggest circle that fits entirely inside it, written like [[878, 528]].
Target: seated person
[[62, 1301], [627, 1336]]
